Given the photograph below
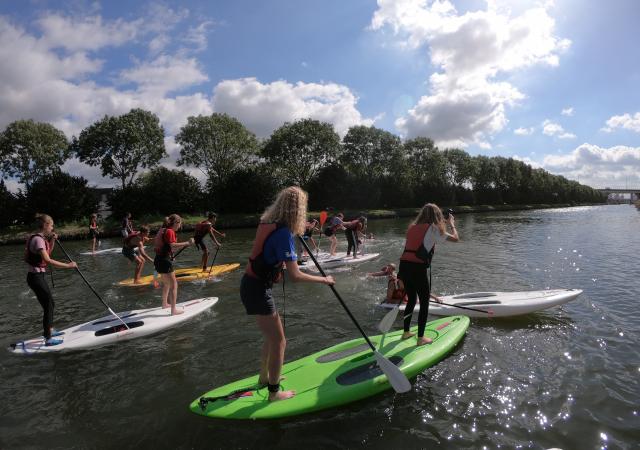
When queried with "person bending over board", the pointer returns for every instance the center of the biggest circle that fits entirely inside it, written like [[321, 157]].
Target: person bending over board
[[427, 230], [353, 232], [37, 254], [274, 247], [204, 228], [133, 250], [335, 224], [165, 243]]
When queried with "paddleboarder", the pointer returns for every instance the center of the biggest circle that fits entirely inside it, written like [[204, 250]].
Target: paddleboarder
[[274, 247], [202, 229], [165, 243], [428, 229], [37, 254]]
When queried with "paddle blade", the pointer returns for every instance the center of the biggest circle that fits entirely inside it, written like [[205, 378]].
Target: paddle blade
[[398, 381], [387, 321], [323, 218]]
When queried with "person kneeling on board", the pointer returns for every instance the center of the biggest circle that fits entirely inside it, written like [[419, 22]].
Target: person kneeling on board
[[427, 230], [37, 254], [133, 250], [165, 243], [274, 247]]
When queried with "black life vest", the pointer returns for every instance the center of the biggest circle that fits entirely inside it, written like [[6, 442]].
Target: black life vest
[[258, 267]]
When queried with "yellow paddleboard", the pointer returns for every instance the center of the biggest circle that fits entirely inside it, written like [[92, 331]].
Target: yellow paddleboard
[[187, 274]]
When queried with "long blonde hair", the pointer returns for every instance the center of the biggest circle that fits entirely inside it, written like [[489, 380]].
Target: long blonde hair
[[290, 208], [42, 219], [431, 214]]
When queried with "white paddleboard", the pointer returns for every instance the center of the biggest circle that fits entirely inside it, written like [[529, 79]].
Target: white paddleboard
[[109, 330], [105, 251], [339, 260], [502, 304]]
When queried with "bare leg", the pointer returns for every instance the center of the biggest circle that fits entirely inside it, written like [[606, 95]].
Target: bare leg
[[138, 269], [174, 295], [205, 260], [271, 329], [264, 364], [166, 285]]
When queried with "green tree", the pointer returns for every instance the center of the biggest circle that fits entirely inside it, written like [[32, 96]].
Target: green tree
[[8, 206], [370, 152], [302, 149], [30, 150], [62, 196], [121, 145], [218, 145]]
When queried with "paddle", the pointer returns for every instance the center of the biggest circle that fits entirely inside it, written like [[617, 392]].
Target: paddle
[[177, 254], [213, 260], [397, 379], [89, 284], [489, 312], [323, 219]]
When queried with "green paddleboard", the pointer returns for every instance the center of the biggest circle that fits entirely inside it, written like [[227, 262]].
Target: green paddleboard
[[332, 377]]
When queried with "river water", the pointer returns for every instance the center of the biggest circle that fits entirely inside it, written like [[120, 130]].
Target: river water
[[566, 377]]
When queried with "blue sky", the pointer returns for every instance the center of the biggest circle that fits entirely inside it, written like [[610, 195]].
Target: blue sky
[[553, 83]]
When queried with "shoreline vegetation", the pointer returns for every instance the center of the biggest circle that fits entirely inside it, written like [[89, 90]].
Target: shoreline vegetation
[[75, 231]]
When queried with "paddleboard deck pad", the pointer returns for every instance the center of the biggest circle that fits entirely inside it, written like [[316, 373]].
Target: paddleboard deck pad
[[186, 274], [501, 304], [332, 377], [109, 330]]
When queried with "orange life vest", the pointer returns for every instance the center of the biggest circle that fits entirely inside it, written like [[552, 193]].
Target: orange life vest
[[258, 267], [414, 250], [398, 293]]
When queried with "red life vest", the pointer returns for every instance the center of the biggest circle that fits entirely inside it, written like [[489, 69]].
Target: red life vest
[[129, 238], [398, 293], [414, 250], [160, 244], [258, 267], [202, 229], [35, 259]]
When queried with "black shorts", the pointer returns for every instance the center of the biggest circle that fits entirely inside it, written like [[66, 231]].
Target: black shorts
[[163, 264], [93, 233], [130, 253], [328, 232], [256, 297], [200, 243]]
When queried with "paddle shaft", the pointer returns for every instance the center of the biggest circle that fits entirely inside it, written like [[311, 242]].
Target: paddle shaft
[[213, 260], [89, 284], [179, 251], [335, 292]]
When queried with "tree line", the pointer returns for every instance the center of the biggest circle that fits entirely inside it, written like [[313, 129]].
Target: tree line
[[367, 168]]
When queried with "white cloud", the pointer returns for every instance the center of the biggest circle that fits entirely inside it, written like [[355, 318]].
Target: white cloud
[[553, 129], [598, 167], [529, 161], [467, 103], [625, 121], [263, 107], [85, 33], [567, 111], [165, 74], [523, 131]]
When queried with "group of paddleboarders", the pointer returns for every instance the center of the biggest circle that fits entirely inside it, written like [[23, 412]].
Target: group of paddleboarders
[[273, 250]]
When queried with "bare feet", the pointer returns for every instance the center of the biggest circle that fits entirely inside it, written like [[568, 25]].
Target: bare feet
[[280, 395], [137, 281], [407, 334], [424, 340], [176, 312], [165, 305]]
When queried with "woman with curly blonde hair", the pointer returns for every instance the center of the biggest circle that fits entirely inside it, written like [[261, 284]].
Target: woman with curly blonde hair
[[428, 229], [274, 248]]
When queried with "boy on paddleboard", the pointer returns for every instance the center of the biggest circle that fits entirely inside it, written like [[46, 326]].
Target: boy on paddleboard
[[204, 228], [133, 250]]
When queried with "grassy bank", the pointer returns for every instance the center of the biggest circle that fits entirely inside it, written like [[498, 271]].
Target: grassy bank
[[111, 227]]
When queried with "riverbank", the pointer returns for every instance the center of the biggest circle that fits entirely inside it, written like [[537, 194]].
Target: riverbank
[[76, 231]]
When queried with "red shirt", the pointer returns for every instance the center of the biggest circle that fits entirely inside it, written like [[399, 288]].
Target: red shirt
[[170, 236]]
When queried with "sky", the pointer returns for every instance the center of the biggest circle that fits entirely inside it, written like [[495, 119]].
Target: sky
[[553, 83]]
